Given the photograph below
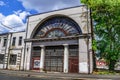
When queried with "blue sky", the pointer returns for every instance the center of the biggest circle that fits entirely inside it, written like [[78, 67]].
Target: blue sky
[[13, 12]]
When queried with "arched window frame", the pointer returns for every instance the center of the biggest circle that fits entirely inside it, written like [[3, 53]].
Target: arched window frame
[[63, 19]]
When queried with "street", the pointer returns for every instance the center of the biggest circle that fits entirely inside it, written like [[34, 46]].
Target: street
[[30, 75], [10, 77], [13, 77]]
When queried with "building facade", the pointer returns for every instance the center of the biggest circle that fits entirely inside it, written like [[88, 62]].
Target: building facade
[[3, 46], [59, 41], [12, 50]]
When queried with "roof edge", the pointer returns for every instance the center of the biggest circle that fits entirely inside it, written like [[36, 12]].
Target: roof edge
[[57, 10]]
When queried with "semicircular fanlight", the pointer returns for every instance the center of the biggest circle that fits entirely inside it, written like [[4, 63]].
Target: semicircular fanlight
[[57, 27], [55, 33]]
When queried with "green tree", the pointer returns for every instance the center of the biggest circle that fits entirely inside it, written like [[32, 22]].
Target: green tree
[[106, 16]]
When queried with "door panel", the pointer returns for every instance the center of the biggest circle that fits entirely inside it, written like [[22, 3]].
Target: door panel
[[36, 63], [73, 65], [35, 58], [73, 58]]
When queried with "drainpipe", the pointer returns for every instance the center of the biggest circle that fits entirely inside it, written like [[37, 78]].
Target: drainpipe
[[88, 37], [92, 35]]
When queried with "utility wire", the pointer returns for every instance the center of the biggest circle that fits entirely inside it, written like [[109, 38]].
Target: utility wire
[[7, 26]]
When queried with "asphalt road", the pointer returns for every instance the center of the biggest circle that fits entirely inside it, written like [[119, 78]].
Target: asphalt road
[[11, 77], [30, 75]]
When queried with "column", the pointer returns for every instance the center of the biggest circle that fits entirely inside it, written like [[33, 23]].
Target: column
[[83, 56], [66, 58], [42, 58]]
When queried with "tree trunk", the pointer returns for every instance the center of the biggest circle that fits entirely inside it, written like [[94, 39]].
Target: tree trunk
[[112, 65]]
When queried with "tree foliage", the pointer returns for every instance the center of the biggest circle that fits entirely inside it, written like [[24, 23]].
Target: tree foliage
[[106, 16]]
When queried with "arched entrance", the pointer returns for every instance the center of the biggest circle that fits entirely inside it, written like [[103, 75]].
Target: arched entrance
[[58, 37]]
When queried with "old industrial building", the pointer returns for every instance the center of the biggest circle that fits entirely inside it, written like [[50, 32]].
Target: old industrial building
[[56, 41]]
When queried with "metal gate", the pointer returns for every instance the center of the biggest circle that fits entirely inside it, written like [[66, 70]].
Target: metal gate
[[54, 58]]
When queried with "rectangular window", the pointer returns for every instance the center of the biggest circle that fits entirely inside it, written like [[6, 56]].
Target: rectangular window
[[14, 40], [13, 58], [5, 42], [1, 58], [20, 41]]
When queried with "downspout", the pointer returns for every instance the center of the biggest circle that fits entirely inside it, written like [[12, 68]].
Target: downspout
[[88, 55], [92, 35]]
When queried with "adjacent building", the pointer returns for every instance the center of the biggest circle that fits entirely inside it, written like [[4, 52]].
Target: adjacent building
[[3, 46], [12, 50], [56, 41]]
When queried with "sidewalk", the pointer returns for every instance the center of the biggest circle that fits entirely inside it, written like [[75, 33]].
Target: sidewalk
[[60, 75]]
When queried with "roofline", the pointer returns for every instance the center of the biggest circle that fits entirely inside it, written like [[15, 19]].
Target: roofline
[[57, 10], [11, 32], [4, 34], [17, 32]]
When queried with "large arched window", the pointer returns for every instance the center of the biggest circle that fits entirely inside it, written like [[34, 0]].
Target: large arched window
[[57, 27]]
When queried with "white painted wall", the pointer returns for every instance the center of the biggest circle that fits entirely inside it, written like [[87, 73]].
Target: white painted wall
[[2, 48], [17, 49], [27, 56]]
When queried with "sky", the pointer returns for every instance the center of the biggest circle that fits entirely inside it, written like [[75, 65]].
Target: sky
[[13, 13]]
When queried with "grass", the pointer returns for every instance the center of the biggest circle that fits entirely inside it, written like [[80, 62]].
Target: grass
[[106, 72]]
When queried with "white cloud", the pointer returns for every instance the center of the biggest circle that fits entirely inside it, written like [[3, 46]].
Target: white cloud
[[14, 22], [17, 12], [1, 19], [45, 5], [21, 14], [2, 3]]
